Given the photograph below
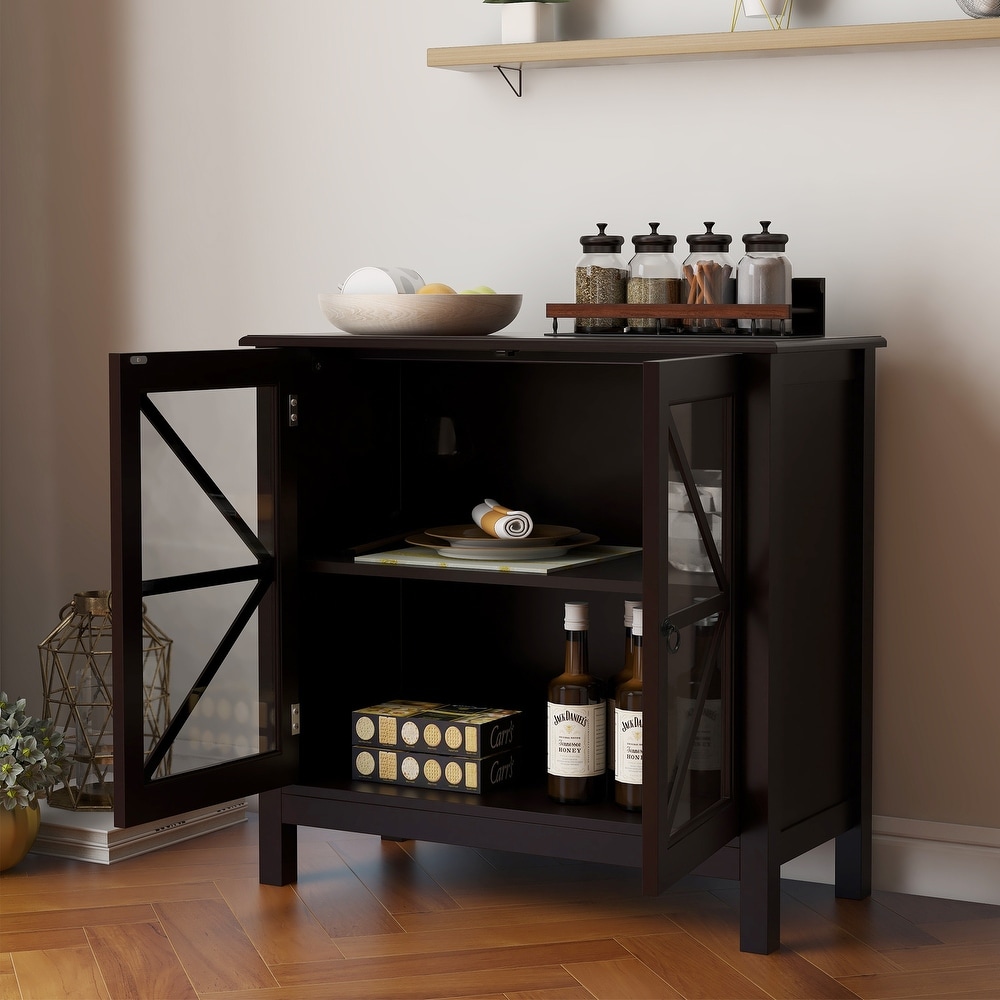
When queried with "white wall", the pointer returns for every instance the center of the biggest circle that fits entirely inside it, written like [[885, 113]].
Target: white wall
[[178, 175]]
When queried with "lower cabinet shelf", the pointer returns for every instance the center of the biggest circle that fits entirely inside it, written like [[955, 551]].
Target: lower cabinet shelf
[[521, 819]]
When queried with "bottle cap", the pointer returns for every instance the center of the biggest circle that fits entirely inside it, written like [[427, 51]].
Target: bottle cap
[[637, 622], [602, 242], [630, 607], [700, 242], [653, 241], [765, 241], [577, 616]]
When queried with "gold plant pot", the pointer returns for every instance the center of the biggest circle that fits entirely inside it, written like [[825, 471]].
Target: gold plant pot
[[18, 830]]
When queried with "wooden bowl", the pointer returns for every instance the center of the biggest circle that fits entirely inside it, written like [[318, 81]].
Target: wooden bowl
[[420, 315]]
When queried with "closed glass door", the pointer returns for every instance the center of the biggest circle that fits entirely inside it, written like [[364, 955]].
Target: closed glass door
[[690, 523]]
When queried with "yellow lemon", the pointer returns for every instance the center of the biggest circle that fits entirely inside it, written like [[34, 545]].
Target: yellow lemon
[[436, 288]]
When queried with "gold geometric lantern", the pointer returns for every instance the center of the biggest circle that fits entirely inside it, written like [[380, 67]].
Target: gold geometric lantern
[[77, 687]]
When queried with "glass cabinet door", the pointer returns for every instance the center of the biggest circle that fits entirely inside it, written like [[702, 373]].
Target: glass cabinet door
[[201, 470], [690, 520]]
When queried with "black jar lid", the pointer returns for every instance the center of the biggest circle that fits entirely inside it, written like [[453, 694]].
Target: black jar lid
[[765, 242], [708, 240], [602, 242], [653, 241]]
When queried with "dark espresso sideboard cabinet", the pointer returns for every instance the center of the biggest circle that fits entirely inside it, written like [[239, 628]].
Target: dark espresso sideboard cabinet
[[247, 483]]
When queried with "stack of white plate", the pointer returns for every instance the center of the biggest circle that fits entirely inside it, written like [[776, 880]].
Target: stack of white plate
[[468, 541]]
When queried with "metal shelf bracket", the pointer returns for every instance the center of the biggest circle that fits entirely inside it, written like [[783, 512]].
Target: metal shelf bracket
[[504, 70]]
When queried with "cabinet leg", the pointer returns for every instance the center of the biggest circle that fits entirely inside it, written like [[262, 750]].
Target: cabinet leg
[[277, 849], [853, 865], [760, 898]]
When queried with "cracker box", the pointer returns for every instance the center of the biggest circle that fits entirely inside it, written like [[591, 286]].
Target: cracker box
[[429, 727], [473, 775]]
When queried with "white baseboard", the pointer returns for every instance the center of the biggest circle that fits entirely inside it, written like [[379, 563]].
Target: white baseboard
[[92, 836], [943, 860]]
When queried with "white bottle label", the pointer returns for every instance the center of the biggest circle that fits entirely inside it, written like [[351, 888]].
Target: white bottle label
[[628, 747], [610, 722], [577, 738], [706, 754]]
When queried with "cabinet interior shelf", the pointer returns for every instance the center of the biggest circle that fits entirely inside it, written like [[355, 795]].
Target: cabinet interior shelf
[[662, 48], [584, 832], [621, 575]]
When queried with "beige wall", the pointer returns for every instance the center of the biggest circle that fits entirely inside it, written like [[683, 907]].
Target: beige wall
[[178, 175]]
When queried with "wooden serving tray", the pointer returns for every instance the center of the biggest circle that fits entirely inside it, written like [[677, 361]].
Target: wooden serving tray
[[808, 309]]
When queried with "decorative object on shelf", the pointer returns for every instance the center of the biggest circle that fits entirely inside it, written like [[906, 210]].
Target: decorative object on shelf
[[601, 279], [420, 315], [707, 272], [77, 684], [777, 12], [32, 759], [808, 305], [527, 21], [980, 8], [764, 275], [502, 522]]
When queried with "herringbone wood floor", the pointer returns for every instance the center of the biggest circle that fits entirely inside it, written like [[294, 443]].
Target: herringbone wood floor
[[379, 920]]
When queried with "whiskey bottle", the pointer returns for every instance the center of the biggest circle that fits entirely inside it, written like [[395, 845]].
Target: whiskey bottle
[[576, 719], [706, 754], [623, 675], [628, 727]]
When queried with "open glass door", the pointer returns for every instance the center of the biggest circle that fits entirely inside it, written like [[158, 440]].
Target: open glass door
[[690, 518], [203, 528]]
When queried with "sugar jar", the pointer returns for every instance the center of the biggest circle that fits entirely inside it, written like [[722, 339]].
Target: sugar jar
[[764, 277], [653, 276], [708, 272], [601, 279]]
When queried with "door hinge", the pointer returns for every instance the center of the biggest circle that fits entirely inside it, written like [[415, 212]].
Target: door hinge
[[296, 721], [293, 410]]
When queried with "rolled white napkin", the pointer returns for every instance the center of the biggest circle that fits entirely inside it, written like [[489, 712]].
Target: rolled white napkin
[[502, 522]]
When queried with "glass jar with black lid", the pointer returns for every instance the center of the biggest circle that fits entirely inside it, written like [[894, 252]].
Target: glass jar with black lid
[[764, 277], [601, 279], [653, 278], [709, 275]]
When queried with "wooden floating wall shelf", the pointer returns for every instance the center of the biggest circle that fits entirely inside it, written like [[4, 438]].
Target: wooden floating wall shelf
[[666, 48]]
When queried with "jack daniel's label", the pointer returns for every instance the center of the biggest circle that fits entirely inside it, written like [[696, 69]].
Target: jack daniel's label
[[628, 747], [706, 752], [577, 740]]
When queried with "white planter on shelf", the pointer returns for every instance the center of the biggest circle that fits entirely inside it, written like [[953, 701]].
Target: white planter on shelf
[[763, 8], [527, 22]]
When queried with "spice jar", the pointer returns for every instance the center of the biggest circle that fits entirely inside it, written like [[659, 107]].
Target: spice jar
[[653, 277], [708, 273], [601, 279], [764, 277]]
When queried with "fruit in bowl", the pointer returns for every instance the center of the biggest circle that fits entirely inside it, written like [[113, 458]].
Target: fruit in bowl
[[435, 288]]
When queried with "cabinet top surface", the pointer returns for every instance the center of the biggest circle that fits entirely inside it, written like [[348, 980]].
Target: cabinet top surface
[[639, 347]]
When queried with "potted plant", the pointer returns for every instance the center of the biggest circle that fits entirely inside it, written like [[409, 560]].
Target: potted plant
[[32, 752], [527, 21]]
